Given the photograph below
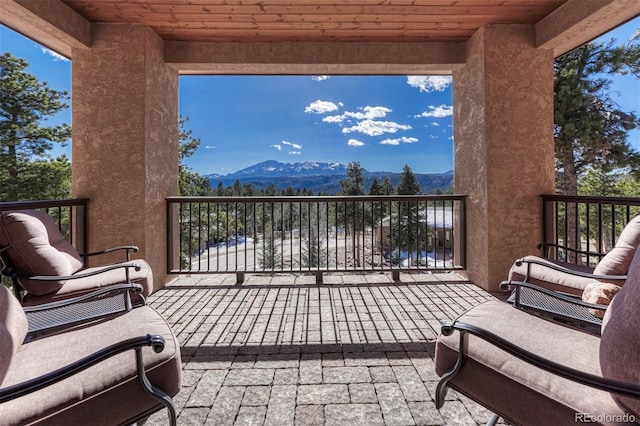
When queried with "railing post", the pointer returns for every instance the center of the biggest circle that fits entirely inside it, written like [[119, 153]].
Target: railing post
[[80, 226], [549, 211], [460, 234], [170, 235]]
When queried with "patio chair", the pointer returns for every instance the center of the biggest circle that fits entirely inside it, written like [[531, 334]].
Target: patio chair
[[118, 369], [44, 267], [532, 371]]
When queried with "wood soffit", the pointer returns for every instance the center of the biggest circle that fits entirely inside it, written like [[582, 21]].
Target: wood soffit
[[315, 20]]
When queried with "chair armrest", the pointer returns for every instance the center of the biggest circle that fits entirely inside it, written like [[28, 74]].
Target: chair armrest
[[560, 268], [609, 385], [547, 246], [97, 304], [37, 383], [80, 274], [127, 249]]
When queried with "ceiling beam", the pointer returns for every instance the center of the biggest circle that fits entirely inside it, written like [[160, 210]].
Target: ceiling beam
[[314, 58], [577, 22], [49, 22]]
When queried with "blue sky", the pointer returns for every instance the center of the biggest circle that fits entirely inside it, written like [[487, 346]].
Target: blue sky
[[384, 122]]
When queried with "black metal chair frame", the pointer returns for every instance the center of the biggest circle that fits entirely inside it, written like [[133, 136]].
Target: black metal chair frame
[[609, 385], [137, 343]]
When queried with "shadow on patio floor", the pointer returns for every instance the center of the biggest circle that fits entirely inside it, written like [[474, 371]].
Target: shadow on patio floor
[[281, 349]]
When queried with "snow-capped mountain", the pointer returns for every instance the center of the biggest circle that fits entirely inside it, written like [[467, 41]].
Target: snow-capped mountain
[[272, 168], [318, 177]]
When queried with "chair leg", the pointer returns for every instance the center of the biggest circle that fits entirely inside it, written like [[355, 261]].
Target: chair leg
[[155, 392], [441, 389], [493, 420]]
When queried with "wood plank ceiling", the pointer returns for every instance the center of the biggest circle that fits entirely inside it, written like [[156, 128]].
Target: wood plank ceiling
[[315, 20]]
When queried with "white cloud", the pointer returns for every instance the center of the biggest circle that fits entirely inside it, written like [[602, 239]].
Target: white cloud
[[320, 77], [437, 112], [321, 107], [435, 124], [355, 142], [292, 145], [365, 113], [276, 146], [431, 83], [397, 141], [376, 128], [210, 147], [294, 152], [56, 56], [333, 119]]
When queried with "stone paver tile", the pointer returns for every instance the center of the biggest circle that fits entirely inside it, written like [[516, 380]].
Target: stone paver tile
[[425, 413], [243, 361], [226, 406], [411, 384], [393, 405], [208, 362], [249, 377], [256, 395], [190, 378], [398, 358], [346, 375], [363, 393], [353, 415], [382, 374], [277, 361], [309, 415], [286, 376], [332, 360], [191, 417], [206, 389], [424, 366], [251, 416], [310, 368], [455, 413], [282, 405], [323, 394], [353, 359]]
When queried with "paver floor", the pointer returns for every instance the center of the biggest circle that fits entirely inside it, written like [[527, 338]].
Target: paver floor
[[283, 350]]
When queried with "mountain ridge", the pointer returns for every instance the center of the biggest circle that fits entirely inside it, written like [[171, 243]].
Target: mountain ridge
[[319, 176]]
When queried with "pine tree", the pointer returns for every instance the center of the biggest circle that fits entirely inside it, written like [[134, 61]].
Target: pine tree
[[26, 102], [590, 129]]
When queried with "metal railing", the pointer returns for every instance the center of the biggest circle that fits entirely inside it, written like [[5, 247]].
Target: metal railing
[[589, 224], [315, 234], [70, 215]]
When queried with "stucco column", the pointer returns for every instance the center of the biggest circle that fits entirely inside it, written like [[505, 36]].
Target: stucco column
[[503, 132], [125, 139]]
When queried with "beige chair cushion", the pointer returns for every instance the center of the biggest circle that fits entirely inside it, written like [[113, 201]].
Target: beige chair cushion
[[617, 261], [620, 347], [107, 393], [514, 389], [36, 247], [550, 278], [13, 329], [80, 286]]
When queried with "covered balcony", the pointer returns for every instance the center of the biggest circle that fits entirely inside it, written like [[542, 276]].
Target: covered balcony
[[127, 56], [290, 348]]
